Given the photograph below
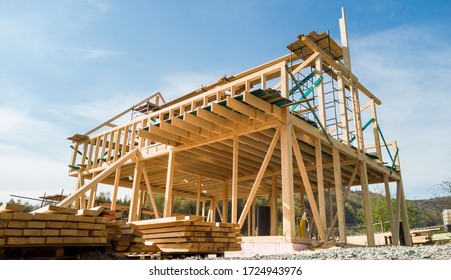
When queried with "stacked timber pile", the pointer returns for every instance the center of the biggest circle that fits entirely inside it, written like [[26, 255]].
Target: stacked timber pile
[[51, 225], [126, 238], [189, 234], [61, 227]]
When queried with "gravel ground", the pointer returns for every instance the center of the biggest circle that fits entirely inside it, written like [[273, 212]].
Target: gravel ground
[[427, 252]]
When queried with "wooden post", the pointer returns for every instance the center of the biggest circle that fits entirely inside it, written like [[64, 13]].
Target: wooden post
[[92, 194], [225, 203], [274, 212], [199, 191], [343, 109], [235, 180], [321, 103], [213, 209], [320, 179], [141, 204], [339, 195], [253, 214], [366, 205], [405, 218], [284, 83], [133, 213], [395, 233], [203, 208], [288, 220], [388, 202], [115, 188], [377, 140], [169, 182]]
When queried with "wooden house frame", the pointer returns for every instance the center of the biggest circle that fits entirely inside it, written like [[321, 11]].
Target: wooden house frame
[[296, 124]]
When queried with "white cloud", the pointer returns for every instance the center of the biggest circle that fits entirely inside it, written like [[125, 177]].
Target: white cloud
[[409, 69]]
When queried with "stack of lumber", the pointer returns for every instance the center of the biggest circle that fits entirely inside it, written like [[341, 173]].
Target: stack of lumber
[[51, 225], [185, 234], [126, 238]]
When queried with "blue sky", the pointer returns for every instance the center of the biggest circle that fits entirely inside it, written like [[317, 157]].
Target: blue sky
[[66, 66]]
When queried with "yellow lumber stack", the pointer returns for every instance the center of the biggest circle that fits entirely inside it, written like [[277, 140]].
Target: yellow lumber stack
[[50, 225], [190, 234], [126, 238]]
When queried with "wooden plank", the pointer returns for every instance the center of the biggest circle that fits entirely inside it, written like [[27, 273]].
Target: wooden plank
[[320, 182], [11, 207], [102, 220], [17, 224], [50, 232], [91, 212], [6, 216], [49, 217], [84, 219], [56, 209], [68, 232], [12, 232], [2, 241], [16, 241], [36, 224], [36, 240], [98, 233], [22, 216], [91, 226], [264, 106], [3, 224], [54, 240], [52, 224]]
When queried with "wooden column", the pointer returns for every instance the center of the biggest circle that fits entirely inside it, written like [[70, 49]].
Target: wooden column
[[253, 214], [132, 214], [235, 180], [285, 92], [213, 210], [339, 195], [320, 179], [92, 194], [320, 91], [389, 205], [377, 140], [115, 188], [343, 109], [199, 191], [366, 205], [168, 198], [395, 234], [405, 218], [286, 151], [225, 202], [274, 212]]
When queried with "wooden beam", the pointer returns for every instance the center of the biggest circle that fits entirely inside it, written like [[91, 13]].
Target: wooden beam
[[115, 188], [266, 107], [274, 210], [320, 183], [246, 110], [320, 90], [366, 205], [339, 195], [389, 204], [133, 213], [405, 218], [225, 203], [199, 192], [377, 140], [259, 177], [235, 179], [102, 175], [149, 191], [308, 187], [343, 109], [168, 203]]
